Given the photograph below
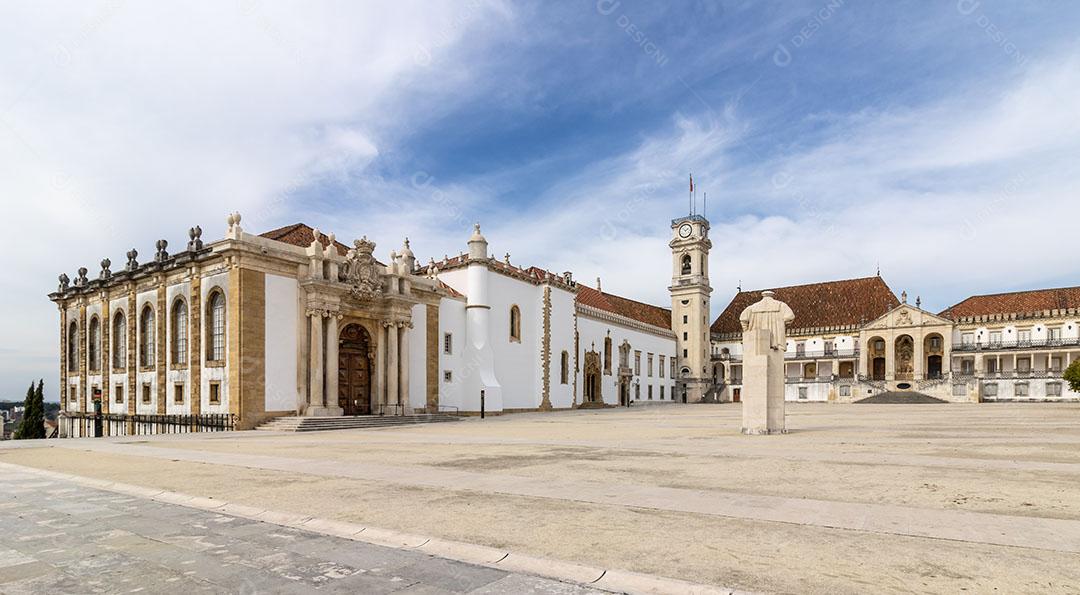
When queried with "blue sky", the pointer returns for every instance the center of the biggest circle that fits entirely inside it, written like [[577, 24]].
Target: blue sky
[[937, 139]]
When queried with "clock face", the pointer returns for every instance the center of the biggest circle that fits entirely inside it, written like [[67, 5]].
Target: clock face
[[685, 230]]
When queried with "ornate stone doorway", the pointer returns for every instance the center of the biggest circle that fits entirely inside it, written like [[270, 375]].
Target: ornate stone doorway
[[592, 378], [354, 371], [905, 357]]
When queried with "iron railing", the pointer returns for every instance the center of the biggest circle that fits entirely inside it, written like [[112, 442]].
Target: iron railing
[[93, 425], [821, 353], [1008, 345]]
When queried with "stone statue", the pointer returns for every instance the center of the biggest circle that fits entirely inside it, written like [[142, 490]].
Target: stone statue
[[771, 315], [764, 344]]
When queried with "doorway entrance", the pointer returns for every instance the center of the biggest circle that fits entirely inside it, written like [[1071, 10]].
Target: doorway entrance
[[354, 371]]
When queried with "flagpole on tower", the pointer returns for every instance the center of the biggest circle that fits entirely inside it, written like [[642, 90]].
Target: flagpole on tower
[[690, 196]]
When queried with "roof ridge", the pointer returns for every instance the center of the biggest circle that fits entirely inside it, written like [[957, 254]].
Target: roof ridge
[[867, 278], [981, 295]]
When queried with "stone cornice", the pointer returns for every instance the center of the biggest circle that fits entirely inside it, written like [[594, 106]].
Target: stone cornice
[[598, 314]]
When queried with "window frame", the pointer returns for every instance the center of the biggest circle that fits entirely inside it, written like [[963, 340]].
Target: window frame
[[179, 336], [93, 344], [119, 340], [147, 336], [216, 338], [515, 324]]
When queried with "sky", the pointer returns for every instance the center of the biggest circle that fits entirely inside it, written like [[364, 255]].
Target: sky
[[938, 141]]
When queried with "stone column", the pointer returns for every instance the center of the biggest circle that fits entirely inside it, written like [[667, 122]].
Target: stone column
[[161, 360], [392, 397], [195, 350], [104, 355], [379, 397], [63, 358], [315, 365], [403, 363], [919, 355], [332, 340], [83, 376]]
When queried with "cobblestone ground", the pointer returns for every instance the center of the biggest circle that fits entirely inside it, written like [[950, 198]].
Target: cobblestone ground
[[56, 537]]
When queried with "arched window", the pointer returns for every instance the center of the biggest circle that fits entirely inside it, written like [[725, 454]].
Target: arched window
[[119, 341], [73, 347], [564, 368], [215, 327], [93, 348], [146, 337], [179, 332], [515, 323], [686, 264]]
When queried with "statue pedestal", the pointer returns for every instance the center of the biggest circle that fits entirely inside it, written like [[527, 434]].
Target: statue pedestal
[[763, 385]]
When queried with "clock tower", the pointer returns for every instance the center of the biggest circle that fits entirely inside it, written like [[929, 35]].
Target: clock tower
[[690, 291]]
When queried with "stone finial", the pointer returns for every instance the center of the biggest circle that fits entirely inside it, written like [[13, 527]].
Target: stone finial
[[315, 235], [162, 254], [195, 242], [918, 301], [903, 297], [132, 263], [64, 282], [80, 281], [506, 258], [568, 276], [105, 272], [477, 245], [598, 284]]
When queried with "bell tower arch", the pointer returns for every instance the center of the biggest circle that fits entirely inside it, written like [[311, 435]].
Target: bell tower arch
[[690, 291]]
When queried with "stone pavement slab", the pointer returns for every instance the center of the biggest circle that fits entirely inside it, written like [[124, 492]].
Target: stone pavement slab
[[114, 544]]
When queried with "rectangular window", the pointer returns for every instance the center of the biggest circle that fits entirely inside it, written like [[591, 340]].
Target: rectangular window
[[661, 392], [685, 354], [967, 338], [672, 393], [967, 367], [800, 348], [1020, 389], [995, 337], [845, 390], [1053, 334], [178, 393], [935, 343], [118, 393], [990, 390], [1055, 364], [648, 363], [1023, 336], [991, 366], [829, 347], [685, 336], [215, 393], [1053, 389], [448, 343], [672, 370], [73, 395], [637, 363], [1023, 364], [684, 318], [802, 393], [662, 364], [447, 376], [146, 393]]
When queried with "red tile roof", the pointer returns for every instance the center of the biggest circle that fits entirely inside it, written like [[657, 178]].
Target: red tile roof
[[646, 313], [299, 234], [1017, 303], [852, 302]]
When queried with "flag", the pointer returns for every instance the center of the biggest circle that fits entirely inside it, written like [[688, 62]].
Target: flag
[[691, 182]]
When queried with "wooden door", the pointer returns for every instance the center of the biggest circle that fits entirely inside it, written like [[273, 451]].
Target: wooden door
[[354, 371]]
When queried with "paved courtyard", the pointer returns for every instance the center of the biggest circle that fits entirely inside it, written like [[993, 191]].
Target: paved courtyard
[[889, 498]]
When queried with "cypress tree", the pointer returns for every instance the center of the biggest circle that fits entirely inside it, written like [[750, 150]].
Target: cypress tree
[[38, 429], [28, 404]]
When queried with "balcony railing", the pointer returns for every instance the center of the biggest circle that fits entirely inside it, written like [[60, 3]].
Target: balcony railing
[[821, 353], [1009, 345]]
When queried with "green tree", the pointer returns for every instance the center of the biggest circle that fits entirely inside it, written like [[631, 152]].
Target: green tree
[[1072, 376], [33, 421]]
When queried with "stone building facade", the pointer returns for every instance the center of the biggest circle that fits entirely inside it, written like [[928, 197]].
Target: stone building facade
[[294, 322], [852, 339]]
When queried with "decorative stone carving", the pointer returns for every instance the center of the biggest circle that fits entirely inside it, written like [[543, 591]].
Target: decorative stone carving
[[233, 221], [771, 315], [903, 318], [64, 282], [105, 272], [132, 263], [195, 242], [361, 271], [162, 254], [80, 281]]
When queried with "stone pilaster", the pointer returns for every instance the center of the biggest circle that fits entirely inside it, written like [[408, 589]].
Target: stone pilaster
[[545, 352], [432, 364], [82, 358], [63, 386], [162, 340], [380, 367], [315, 365], [392, 397], [332, 341], [105, 353], [132, 361], [406, 405], [195, 349]]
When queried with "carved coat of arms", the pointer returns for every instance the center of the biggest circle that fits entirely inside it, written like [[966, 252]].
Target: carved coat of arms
[[361, 271]]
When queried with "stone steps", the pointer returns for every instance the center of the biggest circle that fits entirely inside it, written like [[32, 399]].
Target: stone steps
[[314, 424]]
